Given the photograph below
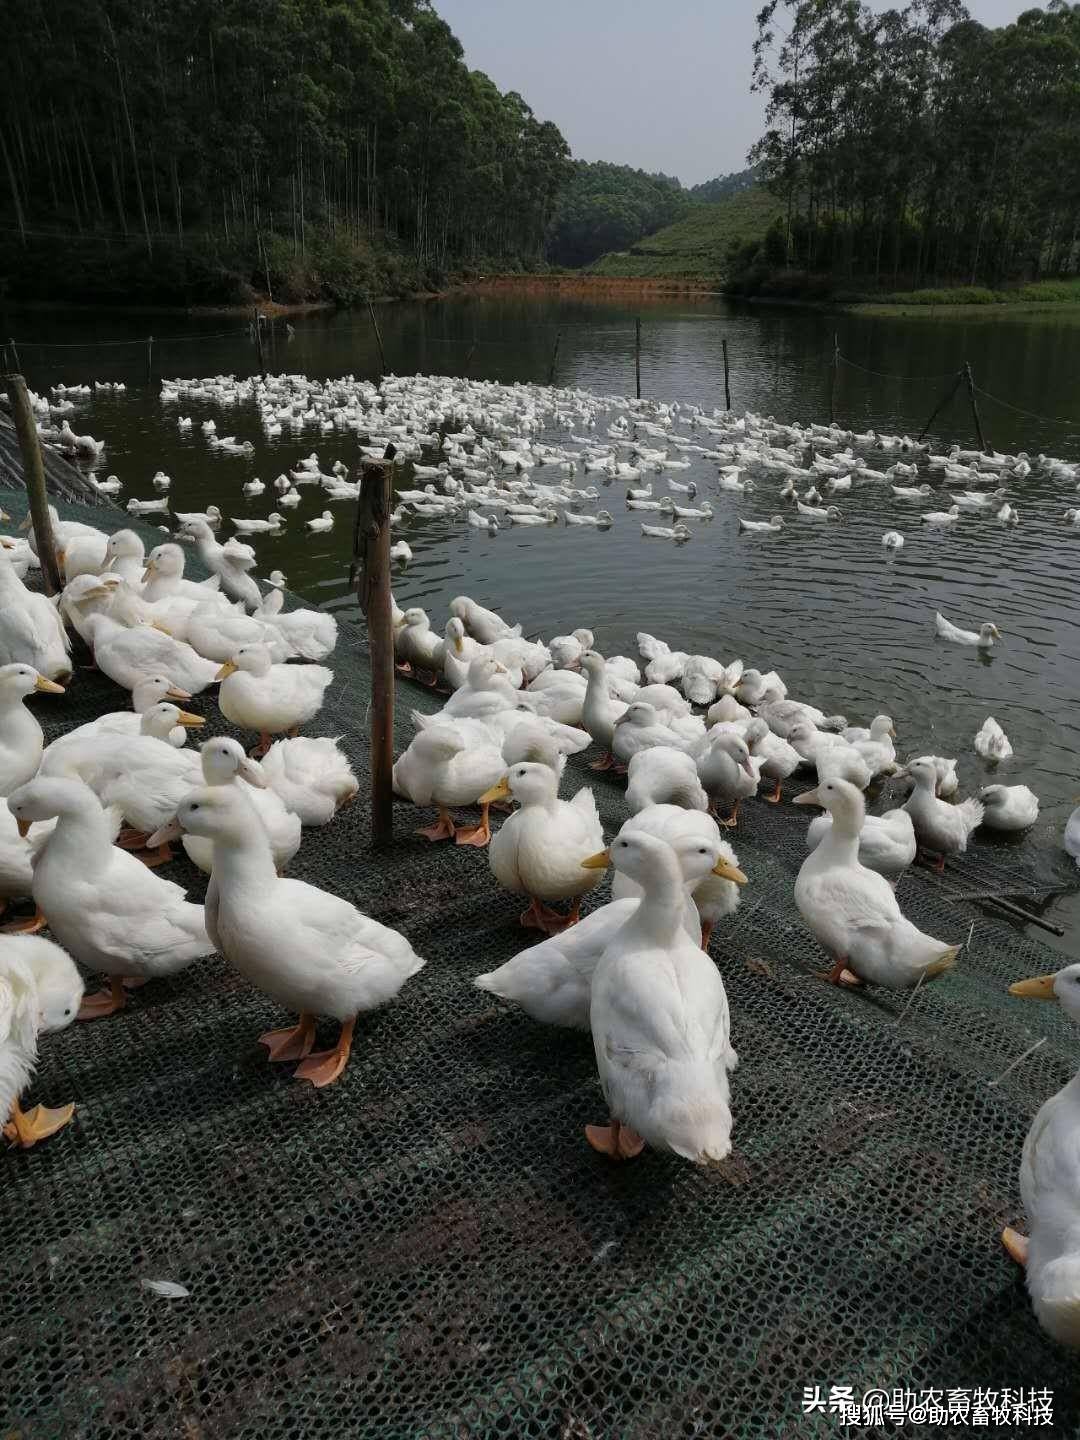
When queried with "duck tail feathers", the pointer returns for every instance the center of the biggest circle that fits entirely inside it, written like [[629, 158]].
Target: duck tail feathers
[[972, 810], [944, 962]]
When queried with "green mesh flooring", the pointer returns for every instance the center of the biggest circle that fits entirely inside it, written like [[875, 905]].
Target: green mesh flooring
[[430, 1249]]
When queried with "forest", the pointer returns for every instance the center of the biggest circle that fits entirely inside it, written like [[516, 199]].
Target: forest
[[208, 149], [915, 147]]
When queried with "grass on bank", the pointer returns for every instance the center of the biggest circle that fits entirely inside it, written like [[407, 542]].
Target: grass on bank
[[696, 245]]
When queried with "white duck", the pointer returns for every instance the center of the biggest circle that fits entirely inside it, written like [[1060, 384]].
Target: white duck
[[892, 540], [416, 644], [660, 1021], [40, 991], [716, 893], [640, 728], [216, 631], [484, 625], [762, 527], [310, 951], [728, 772], [600, 712], [777, 758], [321, 523], [940, 828], [984, 637], [31, 630], [147, 693], [991, 742], [450, 763], [877, 749], [229, 562], [309, 634], [539, 848], [567, 650], [941, 518], [142, 776], [223, 762], [21, 740], [312, 775], [273, 699], [852, 911], [1009, 807], [886, 842], [108, 910], [128, 653], [163, 578], [663, 775], [552, 981], [1050, 1186]]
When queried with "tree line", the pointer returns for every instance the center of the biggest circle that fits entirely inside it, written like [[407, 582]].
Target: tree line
[[284, 135], [916, 146]]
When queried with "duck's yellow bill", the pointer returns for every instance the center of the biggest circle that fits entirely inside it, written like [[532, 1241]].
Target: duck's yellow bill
[[175, 693], [501, 791], [188, 720], [157, 625], [600, 861], [1041, 988], [808, 797], [729, 872], [24, 827], [229, 668], [50, 687]]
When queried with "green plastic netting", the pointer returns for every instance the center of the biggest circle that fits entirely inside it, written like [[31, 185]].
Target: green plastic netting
[[429, 1247]]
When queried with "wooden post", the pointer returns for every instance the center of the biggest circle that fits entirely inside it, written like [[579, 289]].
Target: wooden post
[[34, 467], [373, 593], [942, 403], [727, 377], [554, 357], [259, 344], [14, 353], [150, 360], [970, 378], [637, 356], [468, 357], [833, 377], [266, 265], [378, 338]]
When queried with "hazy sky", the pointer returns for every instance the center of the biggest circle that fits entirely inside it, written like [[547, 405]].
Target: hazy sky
[[659, 84]]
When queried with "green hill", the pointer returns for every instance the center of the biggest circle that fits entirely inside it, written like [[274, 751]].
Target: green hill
[[698, 244]]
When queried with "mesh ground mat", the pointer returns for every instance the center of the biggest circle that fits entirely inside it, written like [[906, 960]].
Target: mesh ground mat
[[64, 482], [429, 1248]]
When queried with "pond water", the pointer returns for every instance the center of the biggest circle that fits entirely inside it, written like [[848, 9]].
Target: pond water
[[850, 627]]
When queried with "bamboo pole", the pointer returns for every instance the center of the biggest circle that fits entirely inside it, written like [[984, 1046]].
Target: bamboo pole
[[834, 375], [942, 403], [34, 468], [150, 360], [554, 358], [468, 357], [637, 356], [373, 593], [14, 353], [970, 378], [257, 321], [378, 338], [727, 376]]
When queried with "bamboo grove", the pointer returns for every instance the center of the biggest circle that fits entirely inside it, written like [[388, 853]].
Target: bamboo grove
[[263, 135], [917, 146]]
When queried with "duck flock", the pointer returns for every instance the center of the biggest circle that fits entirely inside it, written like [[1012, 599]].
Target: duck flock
[[89, 818]]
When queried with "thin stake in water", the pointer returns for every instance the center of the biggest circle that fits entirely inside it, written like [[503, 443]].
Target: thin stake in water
[[1029, 1051]]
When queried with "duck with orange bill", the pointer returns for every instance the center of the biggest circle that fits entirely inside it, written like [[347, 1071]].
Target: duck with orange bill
[[539, 848], [1050, 1185], [257, 694], [659, 1017], [111, 913], [852, 911], [312, 952]]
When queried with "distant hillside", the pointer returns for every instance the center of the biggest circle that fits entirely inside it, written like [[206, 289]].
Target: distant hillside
[[698, 243], [725, 185]]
